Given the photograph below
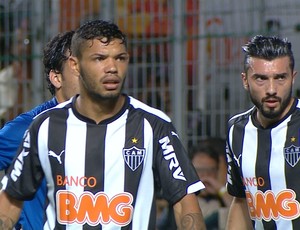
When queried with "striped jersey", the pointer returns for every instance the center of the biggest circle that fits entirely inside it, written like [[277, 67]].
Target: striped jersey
[[263, 166], [102, 176]]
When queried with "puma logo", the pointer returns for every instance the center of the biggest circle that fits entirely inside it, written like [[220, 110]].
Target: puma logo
[[238, 159], [57, 156], [174, 134]]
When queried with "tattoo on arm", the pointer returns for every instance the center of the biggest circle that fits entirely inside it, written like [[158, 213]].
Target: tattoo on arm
[[6, 223], [192, 221]]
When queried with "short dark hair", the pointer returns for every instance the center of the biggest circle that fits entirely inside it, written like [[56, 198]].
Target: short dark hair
[[268, 48], [204, 149], [96, 29], [56, 53]]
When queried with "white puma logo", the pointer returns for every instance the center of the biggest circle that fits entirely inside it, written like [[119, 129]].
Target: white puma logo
[[237, 159], [57, 156], [174, 134]]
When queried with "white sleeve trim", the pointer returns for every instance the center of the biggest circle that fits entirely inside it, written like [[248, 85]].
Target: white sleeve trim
[[195, 187]]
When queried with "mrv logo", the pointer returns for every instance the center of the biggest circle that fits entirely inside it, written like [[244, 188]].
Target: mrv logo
[[18, 165], [169, 155]]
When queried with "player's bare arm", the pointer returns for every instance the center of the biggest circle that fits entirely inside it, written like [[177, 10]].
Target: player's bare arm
[[5, 222], [238, 215], [188, 214], [191, 221], [9, 211]]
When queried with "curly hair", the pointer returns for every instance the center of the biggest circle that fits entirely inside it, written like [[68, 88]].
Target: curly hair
[[104, 31], [56, 53]]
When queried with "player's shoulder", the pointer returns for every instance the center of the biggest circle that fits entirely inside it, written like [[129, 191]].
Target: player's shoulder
[[295, 112], [53, 110], [42, 107], [24, 119], [148, 110], [297, 102], [240, 117]]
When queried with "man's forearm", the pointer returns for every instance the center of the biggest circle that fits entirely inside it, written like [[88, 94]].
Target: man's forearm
[[192, 221], [188, 214], [10, 209], [6, 223], [238, 217]]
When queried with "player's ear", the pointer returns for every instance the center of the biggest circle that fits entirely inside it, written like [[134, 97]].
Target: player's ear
[[245, 81], [55, 78], [294, 76], [73, 62]]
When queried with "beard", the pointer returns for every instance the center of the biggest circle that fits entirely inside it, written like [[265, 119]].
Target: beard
[[91, 89], [273, 112]]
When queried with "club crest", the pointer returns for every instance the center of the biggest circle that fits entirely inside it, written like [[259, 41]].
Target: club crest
[[292, 155], [134, 157]]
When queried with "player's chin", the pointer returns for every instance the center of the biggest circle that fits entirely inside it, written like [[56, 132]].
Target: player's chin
[[111, 94], [271, 113]]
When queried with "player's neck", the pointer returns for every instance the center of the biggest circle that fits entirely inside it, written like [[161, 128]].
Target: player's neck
[[101, 109]]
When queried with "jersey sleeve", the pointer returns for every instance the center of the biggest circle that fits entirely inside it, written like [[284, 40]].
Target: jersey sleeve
[[11, 137], [25, 173], [12, 133], [235, 186], [175, 172]]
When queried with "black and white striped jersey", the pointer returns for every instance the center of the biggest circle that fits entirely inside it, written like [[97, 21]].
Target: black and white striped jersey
[[263, 166], [102, 176]]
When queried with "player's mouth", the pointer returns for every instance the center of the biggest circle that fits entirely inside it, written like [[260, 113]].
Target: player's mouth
[[111, 83], [271, 102]]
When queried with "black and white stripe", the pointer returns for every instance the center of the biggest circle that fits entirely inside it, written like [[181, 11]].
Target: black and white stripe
[[257, 164], [71, 147]]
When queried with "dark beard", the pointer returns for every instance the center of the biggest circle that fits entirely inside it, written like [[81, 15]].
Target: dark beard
[[272, 114], [97, 96]]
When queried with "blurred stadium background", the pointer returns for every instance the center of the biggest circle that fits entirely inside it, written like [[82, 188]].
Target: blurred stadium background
[[186, 55]]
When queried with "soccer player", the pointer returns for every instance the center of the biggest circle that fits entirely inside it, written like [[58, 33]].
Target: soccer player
[[63, 84], [263, 143], [103, 153]]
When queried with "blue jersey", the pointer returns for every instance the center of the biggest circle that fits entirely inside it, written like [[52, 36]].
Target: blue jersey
[[11, 136]]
